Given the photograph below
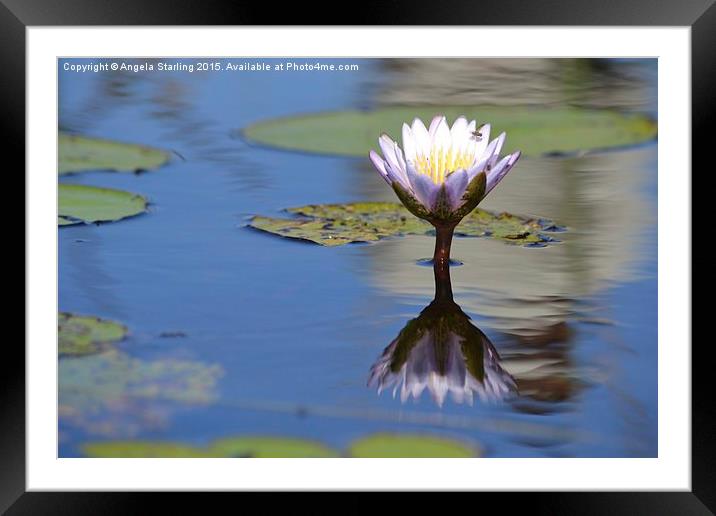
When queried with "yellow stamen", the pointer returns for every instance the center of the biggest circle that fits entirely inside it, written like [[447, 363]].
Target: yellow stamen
[[439, 163]]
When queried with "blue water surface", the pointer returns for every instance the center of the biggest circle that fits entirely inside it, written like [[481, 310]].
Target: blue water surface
[[295, 327]]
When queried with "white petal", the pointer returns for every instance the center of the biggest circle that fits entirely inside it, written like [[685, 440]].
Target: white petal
[[422, 137], [494, 173], [378, 163], [489, 150], [482, 161], [422, 187], [500, 170], [402, 172], [441, 137], [399, 156], [498, 149], [459, 131], [409, 144], [481, 145], [466, 143], [434, 124], [387, 172], [387, 145], [455, 185], [399, 176]]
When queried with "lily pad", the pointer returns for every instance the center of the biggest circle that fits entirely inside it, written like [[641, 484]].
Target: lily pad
[[387, 445], [84, 335], [79, 153], [533, 131], [80, 203], [264, 447], [339, 224], [255, 446], [142, 450], [64, 221], [382, 445]]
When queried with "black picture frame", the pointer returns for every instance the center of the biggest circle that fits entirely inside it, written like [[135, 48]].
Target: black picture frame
[[700, 15]]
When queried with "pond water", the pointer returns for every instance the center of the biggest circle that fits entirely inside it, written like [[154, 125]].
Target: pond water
[[285, 332]]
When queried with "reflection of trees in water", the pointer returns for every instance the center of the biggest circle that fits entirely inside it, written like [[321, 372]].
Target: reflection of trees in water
[[170, 100], [87, 270], [533, 297], [523, 291], [543, 368], [110, 91], [597, 83]]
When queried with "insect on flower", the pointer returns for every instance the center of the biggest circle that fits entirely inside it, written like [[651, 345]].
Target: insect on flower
[[477, 134]]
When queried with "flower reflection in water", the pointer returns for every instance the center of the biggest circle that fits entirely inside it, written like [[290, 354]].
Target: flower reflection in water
[[442, 350]]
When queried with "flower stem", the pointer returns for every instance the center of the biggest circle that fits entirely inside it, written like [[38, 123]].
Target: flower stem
[[441, 258], [443, 287]]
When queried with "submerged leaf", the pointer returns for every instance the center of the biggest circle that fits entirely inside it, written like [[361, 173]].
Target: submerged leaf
[[339, 224], [80, 203], [113, 375], [111, 393], [84, 335], [533, 131], [78, 154], [387, 445]]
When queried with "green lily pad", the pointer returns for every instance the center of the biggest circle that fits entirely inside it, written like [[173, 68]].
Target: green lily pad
[[141, 450], [84, 335], [80, 203], [533, 131], [264, 447], [377, 445], [78, 154], [255, 446], [339, 224], [386, 445]]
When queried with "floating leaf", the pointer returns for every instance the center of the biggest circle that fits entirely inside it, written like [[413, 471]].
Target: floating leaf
[[79, 203], [386, 445], [84, 335], [377, 445], [142, 450], [339, 224], [78, 154], [533, 131], [255, 446], [264, 447]]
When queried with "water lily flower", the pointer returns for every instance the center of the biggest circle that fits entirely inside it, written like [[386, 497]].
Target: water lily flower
[[443, 352], [442, 173]]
